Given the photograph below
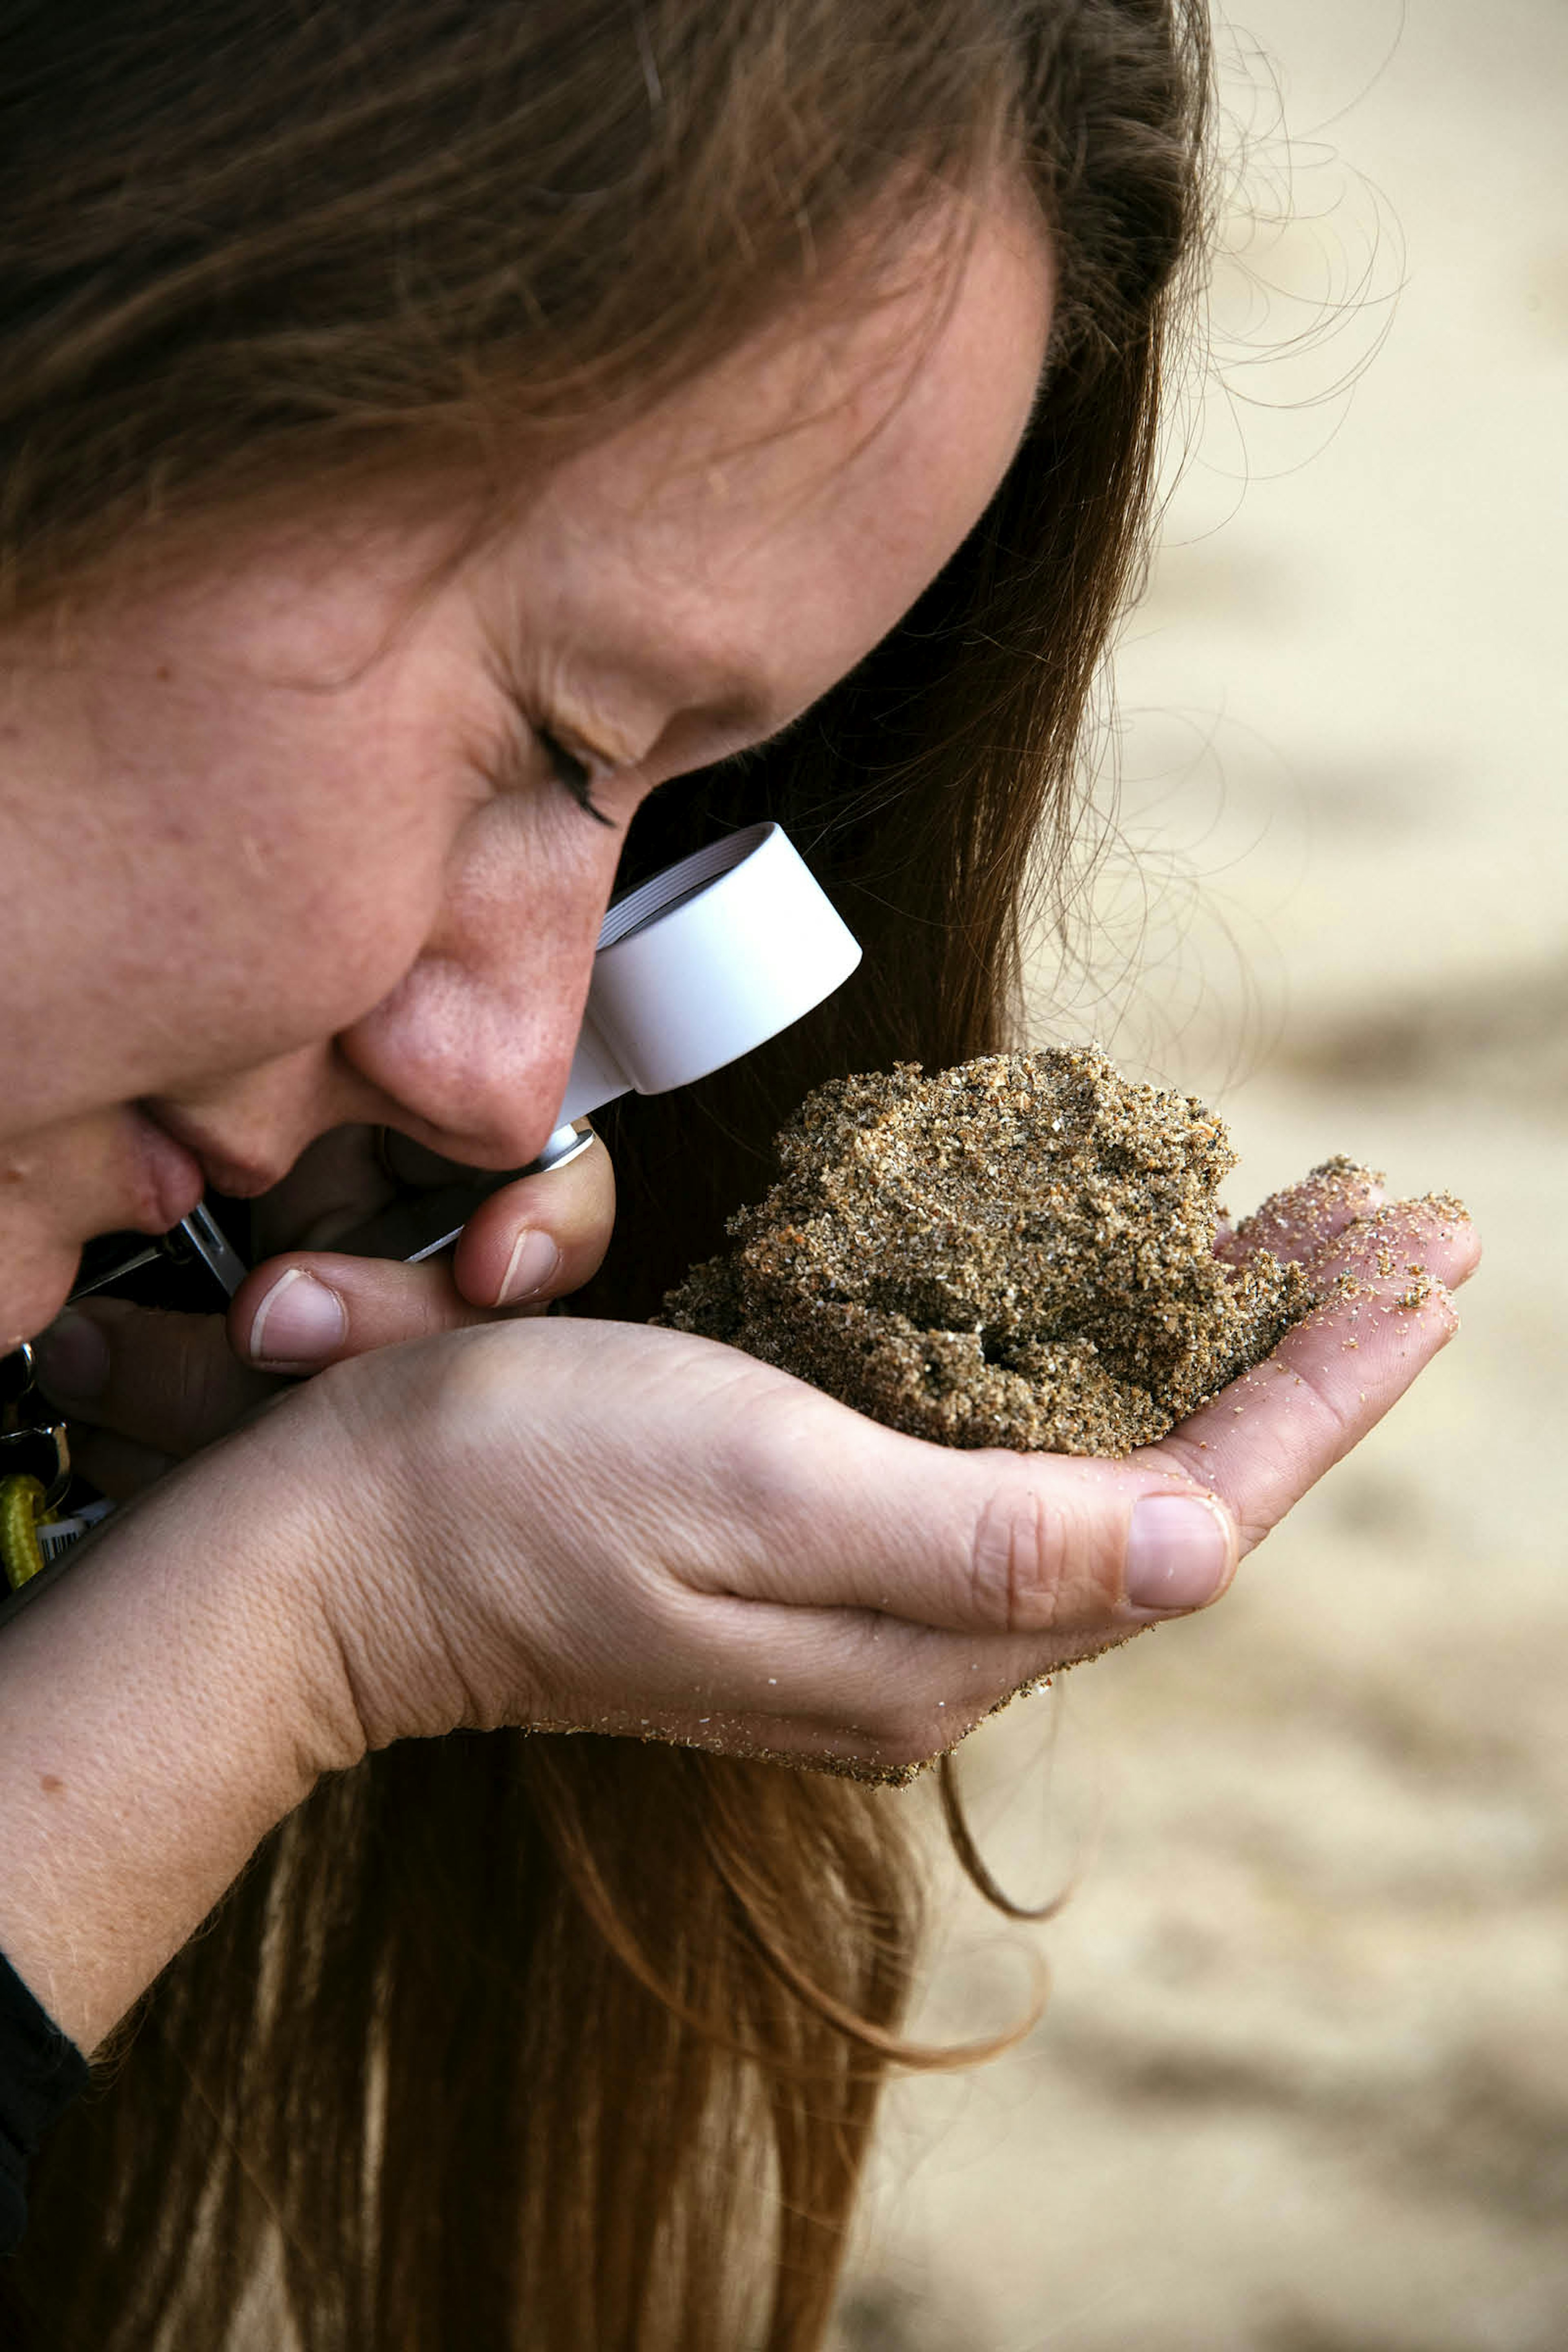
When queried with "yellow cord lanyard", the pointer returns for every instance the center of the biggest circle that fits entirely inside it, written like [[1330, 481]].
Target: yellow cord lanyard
[[35, 1467], [23, 1509]]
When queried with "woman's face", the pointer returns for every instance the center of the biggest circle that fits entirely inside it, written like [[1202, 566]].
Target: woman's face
[[298, 842]]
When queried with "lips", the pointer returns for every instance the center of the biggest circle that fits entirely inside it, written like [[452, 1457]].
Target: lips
[[223, 1169], [170, 1179], [242, 1180]]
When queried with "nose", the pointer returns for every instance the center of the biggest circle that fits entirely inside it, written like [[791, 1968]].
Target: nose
[[475, 1043]]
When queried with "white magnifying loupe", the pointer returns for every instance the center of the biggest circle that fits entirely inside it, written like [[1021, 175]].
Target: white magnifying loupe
[[704, 963], [697, 966], [693, 968], [700, 965]]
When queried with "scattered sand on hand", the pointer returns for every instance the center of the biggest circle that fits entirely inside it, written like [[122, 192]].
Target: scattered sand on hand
[[1018, 1252]]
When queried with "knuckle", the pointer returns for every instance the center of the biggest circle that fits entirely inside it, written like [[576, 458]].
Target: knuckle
[[193, 1379], [1007, 1571], [170, 1379], [1039, 1567], [426, 1309], [584, 1191], [156, 1369], [1017, 1562], [202, 1398]]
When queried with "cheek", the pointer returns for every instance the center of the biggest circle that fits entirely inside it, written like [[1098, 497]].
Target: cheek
[[214, 865], [281, 926], [37, 1267], [58, 1185], [215, 946], [304, 956]]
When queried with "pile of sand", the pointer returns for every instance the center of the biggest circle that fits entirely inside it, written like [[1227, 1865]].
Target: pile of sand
[[1018, 1252]]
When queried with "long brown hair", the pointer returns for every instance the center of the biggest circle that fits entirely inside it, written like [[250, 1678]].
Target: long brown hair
[[567, 2044]]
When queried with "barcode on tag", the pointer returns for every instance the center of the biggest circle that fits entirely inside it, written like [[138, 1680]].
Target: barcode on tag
[[59, 1534]]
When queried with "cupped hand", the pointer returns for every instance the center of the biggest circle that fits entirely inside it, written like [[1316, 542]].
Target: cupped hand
[[587, 1524], [553, 1522], [145, 1388]]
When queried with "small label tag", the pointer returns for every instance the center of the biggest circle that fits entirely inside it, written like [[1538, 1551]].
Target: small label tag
[[59, 1534]]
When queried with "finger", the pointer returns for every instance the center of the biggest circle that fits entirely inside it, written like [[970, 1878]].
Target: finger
[[1037, 1544], [531, 1243], [160, 1380], [118, 1466], [814, 1506], [862, 1695], [1306, 1217], [516, 1238], [295, 1316], [542, 1237], [866, 1684], [1273, 1432], [1040, 1544], [849, 1690]]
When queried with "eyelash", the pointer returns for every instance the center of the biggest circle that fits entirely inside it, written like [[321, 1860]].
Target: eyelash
[[571, 772]]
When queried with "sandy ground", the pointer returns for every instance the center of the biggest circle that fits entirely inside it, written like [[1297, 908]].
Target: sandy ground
[[1302, 2084]]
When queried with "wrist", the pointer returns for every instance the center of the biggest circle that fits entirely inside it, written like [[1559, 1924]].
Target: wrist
[[162, 1707], [392, 1617]]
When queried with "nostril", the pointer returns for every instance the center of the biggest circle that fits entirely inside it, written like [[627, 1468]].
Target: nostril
[[475, 1043]]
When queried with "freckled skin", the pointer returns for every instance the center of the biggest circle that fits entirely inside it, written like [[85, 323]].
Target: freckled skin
[[285, 847]]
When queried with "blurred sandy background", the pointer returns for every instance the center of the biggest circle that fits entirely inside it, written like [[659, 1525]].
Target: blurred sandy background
[[1302, 2086]]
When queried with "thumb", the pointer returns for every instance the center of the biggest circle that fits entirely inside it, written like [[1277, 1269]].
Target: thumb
[[166, 1381], [984, 1542]]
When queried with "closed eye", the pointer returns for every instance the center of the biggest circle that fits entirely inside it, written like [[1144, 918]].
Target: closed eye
[[571, 772]]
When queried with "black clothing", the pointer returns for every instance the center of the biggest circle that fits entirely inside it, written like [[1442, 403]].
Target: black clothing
[[41, 2072]]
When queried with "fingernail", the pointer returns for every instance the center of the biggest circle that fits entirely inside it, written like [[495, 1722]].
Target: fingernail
[[300, 1321], [1178, 1552], [534, 1260], [72, 1359]]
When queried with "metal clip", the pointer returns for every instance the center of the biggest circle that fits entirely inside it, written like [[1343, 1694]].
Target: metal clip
[[32, 1440], [198, 1238]]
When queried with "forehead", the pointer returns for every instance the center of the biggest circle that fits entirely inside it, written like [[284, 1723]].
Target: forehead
[[775, 518]]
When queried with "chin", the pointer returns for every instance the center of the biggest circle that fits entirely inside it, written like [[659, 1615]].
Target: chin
[[35, 1279]]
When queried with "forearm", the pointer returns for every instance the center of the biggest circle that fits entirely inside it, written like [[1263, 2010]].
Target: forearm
[[567, 1523], [162, 1707]]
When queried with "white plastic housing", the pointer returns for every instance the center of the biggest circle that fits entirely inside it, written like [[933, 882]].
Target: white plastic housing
[[701, 964]]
